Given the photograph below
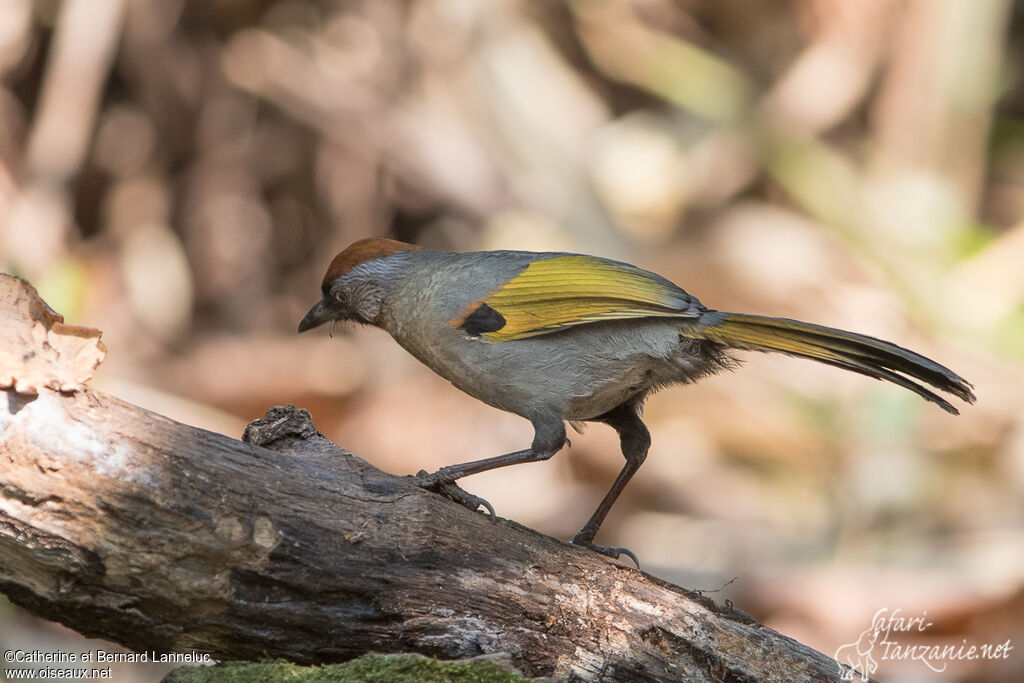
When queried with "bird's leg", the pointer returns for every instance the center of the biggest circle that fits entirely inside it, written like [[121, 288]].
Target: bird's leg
[[548, 438], [636, 441], [443, 480]]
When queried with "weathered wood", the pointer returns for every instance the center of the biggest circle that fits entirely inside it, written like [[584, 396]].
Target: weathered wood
[[125, 525]]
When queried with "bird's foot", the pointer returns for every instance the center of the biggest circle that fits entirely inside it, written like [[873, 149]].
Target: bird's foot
[[447, 487], [608, 550]]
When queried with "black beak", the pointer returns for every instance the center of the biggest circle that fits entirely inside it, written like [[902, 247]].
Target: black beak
[[323, 311]]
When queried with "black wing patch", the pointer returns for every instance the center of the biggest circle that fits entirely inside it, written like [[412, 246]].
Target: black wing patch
[[483, 319]]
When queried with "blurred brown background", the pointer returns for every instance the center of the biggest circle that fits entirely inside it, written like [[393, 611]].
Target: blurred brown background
[[179, 173]]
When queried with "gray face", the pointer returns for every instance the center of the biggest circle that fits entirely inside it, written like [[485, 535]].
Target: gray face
[[356, 295]]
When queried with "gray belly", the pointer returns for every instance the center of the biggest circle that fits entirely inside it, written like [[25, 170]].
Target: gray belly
[[576, 374]]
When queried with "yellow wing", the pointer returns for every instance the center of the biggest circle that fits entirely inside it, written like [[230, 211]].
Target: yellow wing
[[559, 292]]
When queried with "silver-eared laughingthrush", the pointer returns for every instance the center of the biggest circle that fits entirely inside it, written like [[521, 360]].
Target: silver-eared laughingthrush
[[555, 337]]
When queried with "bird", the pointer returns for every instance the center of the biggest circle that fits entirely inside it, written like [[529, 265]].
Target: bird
[[562, 338]]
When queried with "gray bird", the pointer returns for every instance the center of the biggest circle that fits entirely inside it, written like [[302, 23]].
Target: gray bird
[[556, 337]]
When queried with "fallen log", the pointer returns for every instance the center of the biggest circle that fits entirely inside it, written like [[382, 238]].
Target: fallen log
[[128, 526]]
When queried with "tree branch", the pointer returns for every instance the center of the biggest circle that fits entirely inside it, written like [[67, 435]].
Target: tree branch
[[125, 525]]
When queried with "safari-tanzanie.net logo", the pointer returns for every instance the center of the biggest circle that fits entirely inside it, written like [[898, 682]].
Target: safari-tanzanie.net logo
[[893, 636]]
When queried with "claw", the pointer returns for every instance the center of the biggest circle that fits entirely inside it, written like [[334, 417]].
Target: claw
[[450, 490], [611, 551]]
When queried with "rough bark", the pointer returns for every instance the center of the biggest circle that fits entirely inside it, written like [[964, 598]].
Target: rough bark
[[125, 525]]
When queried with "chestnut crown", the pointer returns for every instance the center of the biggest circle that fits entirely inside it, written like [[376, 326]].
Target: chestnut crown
[[360, 252]]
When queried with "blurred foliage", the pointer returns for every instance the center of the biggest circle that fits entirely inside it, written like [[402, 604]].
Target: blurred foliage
[[178, 173]]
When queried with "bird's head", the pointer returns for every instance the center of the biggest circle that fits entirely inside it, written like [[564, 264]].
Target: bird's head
[[356, 282]]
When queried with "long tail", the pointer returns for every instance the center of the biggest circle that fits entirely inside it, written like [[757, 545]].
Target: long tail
[[847, 350]]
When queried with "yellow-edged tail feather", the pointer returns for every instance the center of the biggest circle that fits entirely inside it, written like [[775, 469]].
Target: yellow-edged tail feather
[[848, 350]]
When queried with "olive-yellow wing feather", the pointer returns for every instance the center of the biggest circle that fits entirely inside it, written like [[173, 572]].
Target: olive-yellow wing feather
[[562, 291]]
